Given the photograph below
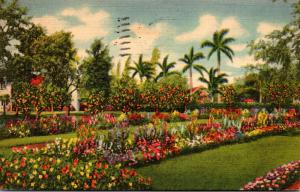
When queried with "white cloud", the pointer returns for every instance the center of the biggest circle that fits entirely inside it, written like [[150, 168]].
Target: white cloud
[[235, 28], [238, 47], [144, 38], [232, 79], [242, 61], [92, 24], [52, 23], [208, 24], [265, 28], [81, 53]]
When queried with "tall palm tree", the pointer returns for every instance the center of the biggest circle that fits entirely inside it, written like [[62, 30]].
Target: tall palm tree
[[165, 68], [219, 45], [213, 81], [189, 60], [143, 69]]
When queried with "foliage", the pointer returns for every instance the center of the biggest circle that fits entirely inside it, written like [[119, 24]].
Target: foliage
[[219, 45], [165, 68], [190, 59], [213, 81], [125, 95], [54, 56], [279, 94], [96, 102], [96, 68], [229, 94], [143, 69]]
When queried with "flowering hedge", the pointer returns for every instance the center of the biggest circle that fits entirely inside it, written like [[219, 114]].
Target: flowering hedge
[[276, 179]]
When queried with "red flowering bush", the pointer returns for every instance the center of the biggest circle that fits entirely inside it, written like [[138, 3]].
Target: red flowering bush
[[96, 102], [276, 179], [136, 119], [160, 116], [85, 147], [155, 145]]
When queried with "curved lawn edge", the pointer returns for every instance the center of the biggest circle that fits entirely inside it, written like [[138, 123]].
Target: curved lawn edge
[[224, 168]]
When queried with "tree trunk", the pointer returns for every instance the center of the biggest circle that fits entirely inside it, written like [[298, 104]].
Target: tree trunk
[[4, 108], [191, 80], [219, 71]]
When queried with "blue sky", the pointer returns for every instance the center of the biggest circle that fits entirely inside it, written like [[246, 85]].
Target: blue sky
[[171, 25]]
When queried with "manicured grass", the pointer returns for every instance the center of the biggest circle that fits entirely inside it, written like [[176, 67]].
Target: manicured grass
[[227, 167]]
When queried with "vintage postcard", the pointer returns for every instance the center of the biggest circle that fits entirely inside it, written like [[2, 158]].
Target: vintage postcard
[[134, 95]]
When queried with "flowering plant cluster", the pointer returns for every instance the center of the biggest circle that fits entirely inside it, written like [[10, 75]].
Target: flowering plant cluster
[[96, 102], [153, 144], [49, 173], [43, 126], [276, 179]]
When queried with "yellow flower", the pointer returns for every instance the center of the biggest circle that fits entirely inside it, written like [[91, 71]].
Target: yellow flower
[[32, 184], [35, 166], [31, 176], [65, 188], [34, 172], [51, 169], [40, 176], [81, 173], [63, 146], [58, 161], [44, 172], [58, 177], [18, 181], [109, 185], [118, 165], [39, 159], [112, 178], [130, 184], [43, 186], [16, 167], [87, 175], [50, 159]]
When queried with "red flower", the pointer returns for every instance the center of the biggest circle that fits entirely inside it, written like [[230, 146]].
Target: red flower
[[75, 162], [36, 81]]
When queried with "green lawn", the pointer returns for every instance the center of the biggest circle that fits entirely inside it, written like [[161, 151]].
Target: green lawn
[[227, 167]]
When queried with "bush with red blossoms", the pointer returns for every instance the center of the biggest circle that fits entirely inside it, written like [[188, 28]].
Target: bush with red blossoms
[[153, 144], [277, 179]]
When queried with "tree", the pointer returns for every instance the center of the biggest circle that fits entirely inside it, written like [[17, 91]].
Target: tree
[[219, 45], [189, 60], [213, 82], [98, 63], [155, 56], [22, 64], [54, 58], [143, 69], [126, 69], [165, 68]]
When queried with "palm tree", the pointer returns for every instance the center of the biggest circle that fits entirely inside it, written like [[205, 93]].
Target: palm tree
[[213, 81], [142, 68], [219, 45], [189, 60], [165, 68]]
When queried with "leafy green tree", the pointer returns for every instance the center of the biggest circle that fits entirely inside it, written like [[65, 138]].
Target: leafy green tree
[[155, 56], [22, 65], [219, 45], [97, 64], [16, 36], [54, 57], [213, 82], [189, 60], [143, 69], [165, 68]]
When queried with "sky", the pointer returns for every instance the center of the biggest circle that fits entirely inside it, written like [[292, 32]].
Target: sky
[[173, 26]]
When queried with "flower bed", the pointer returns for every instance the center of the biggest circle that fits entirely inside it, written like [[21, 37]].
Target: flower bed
[[48, 173], [277, 179]]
